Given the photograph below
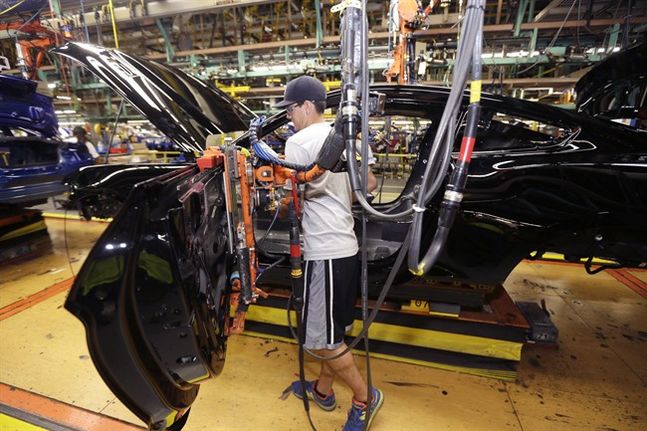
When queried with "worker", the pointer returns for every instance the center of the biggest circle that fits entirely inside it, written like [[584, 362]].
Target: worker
[[330, 253], [84, 144]]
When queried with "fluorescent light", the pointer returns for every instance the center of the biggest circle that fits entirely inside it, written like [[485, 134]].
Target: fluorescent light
[[51, 85], [64, 97]]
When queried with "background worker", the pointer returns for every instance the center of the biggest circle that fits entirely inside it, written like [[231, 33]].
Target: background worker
[[82, 140], [330, 253]]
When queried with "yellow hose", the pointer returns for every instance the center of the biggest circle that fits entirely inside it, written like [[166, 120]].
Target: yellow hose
[[114, 24]]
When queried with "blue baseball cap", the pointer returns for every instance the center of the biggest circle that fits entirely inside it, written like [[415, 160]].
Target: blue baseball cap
[[301, 89]]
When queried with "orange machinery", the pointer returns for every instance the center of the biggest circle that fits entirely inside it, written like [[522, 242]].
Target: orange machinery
[[410, 15]]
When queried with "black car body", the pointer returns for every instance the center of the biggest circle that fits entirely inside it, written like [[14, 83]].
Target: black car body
[[153, 291], [616, 89]]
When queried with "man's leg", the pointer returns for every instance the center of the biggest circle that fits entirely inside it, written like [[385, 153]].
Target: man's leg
[[326, 379], [345, 368]]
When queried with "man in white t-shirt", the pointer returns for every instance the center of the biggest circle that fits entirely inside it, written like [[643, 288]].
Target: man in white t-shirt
[[82, 139], [331, 275]]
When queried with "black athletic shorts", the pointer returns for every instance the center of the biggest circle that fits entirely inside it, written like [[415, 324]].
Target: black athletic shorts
[[330, 293]]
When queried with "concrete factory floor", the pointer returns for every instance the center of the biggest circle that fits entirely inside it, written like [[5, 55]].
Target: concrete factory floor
[[595, 380]]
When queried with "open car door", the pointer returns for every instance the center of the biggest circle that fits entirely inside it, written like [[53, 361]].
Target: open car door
[[153, 295]]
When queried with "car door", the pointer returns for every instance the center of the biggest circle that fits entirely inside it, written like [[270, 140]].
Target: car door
[[153, 295]]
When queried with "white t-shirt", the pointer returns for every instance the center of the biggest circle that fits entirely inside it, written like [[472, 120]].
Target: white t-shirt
[[91, 149], [327, 218]]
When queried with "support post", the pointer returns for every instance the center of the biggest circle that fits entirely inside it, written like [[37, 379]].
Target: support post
[[533, 41], [319, 30], [241, 61], [170, 52], [55, 6], [521, 12], [531, 10], [499, 6], [613, 36]]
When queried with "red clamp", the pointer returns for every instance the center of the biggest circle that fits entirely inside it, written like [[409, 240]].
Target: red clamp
[[211, 158]]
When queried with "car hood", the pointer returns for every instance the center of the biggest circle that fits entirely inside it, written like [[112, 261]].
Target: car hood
[[181, 106], [23, 108]]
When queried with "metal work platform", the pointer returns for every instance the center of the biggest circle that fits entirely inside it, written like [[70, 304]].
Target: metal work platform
[[485, 343], [23, 234]]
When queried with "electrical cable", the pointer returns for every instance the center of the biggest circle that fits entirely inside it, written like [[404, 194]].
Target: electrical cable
[[364, 250], [114, 129], [266, 153], [67, 248], [553, 40], [276, 216]]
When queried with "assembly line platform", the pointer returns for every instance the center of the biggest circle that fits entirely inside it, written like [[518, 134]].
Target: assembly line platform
[[595, 379]]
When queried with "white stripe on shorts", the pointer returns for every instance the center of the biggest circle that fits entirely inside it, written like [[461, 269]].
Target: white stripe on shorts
[[305, 294], [332, 289]]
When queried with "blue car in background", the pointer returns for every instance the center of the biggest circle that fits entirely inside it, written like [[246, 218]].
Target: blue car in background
[[34, 161]]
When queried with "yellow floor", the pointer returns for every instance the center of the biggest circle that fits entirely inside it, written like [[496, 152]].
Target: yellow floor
[[595, 380]]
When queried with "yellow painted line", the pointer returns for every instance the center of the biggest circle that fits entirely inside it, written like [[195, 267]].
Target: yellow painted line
[[12, 7], [36, 298], [58, 412], [30, 228], [560, 257], [8, 423], [427, 338], [630, 281], [74, 217], [482, 372], [439, 314]]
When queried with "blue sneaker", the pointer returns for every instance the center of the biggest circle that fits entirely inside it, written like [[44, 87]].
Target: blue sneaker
[[357, 413], [328, 404]]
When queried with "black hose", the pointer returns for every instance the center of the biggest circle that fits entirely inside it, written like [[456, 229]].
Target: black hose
[[469, 52], [364, 251]]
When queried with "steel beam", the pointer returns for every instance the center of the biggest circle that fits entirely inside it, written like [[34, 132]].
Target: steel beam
[[160, 9], [613, 35], [521, 12], [55, 6], [168, 45], [533, 40], [319, 29], [241, 61], [499, 6], [542, 13], [531, 10], [421, 34]]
